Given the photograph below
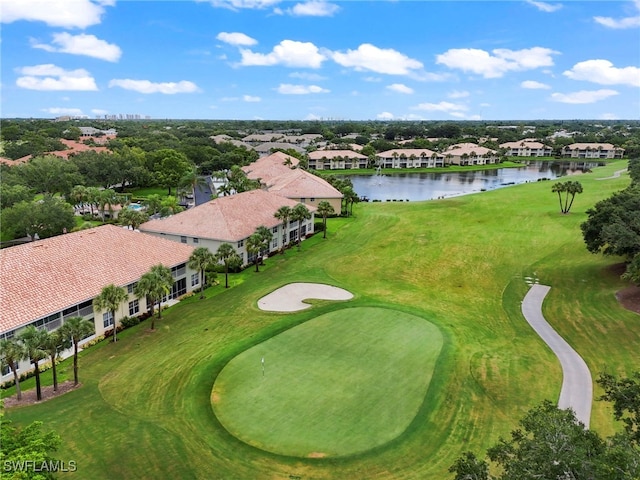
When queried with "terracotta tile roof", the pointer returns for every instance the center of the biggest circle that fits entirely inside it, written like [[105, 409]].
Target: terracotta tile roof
[[11, 163], [329, 154], [42, 277], [407, 152], [302, 184], [226, 219], [287, 182], [76, 147], [460, 149], [524, 144], [592, 146]]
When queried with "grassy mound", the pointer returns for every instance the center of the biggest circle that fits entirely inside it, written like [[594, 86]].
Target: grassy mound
[[339, 384]]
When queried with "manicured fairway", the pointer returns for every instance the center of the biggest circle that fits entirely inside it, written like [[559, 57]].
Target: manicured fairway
[[336, 385], [144, 410]]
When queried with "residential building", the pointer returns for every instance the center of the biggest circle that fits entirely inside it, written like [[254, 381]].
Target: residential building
[[465, 154], [267, 148], [337, 160], [527, 148], [278, 174], [409, 158], [232, 219], [592, 150], [48, 281]]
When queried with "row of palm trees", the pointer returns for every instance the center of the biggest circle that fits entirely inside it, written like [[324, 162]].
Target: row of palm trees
[[39, 344]]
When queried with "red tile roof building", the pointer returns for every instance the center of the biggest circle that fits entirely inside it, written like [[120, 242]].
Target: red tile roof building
[[277, 174], [231, 220], [45, 281]]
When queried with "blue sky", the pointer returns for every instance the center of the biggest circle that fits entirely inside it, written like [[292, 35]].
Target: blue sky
[[355, 60]]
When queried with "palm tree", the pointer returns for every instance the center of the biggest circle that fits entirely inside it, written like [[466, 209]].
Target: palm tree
[[200, 260], [153, 203], [54, 343], [266, 236], [132, 218], [35, 343], [300, 213], [558, 188], [171, 206], [154, 285], [93, 197], [573, 188], [325, 209], [12, 352], [75, 329], [106, 198], [110, 299], [78, 195], [192, 181], [284, 214], [228, 256], [254, 247], [349, 197]]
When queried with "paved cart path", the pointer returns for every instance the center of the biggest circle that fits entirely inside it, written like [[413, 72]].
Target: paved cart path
[[616, 174], [577, 388]]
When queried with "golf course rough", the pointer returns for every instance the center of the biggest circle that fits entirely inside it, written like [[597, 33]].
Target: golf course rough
[[340, 384]]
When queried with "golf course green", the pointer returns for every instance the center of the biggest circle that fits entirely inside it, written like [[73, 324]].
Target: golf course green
[[342, 383], [464, 264]]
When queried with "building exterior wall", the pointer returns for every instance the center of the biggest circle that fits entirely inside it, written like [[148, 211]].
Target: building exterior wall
[[55, 320], [279, 234], [403, 161]]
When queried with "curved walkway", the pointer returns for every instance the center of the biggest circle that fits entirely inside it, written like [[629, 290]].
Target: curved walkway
[[616, 174], [577, 388]]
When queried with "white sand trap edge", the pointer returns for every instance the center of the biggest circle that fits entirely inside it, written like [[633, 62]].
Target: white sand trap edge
[[290, 297]]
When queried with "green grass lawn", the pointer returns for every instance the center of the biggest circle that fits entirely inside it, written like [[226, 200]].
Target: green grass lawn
[[144, 409], [339, 384]]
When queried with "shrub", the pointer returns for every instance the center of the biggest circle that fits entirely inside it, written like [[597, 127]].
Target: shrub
[[129, 321]]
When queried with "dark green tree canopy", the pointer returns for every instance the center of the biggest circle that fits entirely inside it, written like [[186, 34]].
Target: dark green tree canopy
[[613, 226], [47, 218]]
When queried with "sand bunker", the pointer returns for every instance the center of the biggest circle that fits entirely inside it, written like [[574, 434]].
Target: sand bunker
[[290, 297]]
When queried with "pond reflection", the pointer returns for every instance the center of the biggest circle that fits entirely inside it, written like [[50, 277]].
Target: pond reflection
[[429, 186]]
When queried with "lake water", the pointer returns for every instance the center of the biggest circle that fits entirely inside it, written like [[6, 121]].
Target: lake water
[[429, 186]]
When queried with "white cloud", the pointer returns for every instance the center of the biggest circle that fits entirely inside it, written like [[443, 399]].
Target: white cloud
[[313, 8], [532, 84], [458, 94], [51, 77], [251, 99], [145, 86], [289, 89], [289, 53], [312, 77], [99, 111], [385, 116], [604, 73], [243, 4], [545, 7], [400, 88], [82, 44], [609, 116], [503, 60], [76, 112], [313, 117], [441, 107], [55, 13], [621, 23], [379, 60], [583, 96], [236, 38]]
